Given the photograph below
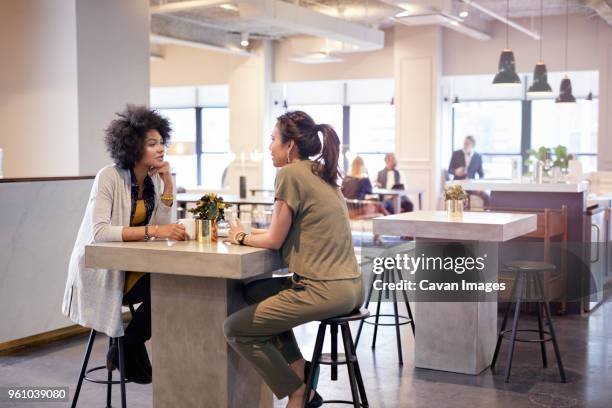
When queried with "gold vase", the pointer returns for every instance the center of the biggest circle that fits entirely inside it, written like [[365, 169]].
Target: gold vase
[[207, 231], [454, 208]]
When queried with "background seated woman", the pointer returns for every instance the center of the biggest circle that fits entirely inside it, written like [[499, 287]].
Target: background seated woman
[[129, 201], [355, 186], [311, 228]]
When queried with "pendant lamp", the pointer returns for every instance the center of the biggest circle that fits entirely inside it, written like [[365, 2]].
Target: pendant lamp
[[540, 85], [565, 91], [506, 74]]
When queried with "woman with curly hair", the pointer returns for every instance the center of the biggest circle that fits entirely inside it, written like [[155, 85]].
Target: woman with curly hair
[[130, 200], [310, 226]]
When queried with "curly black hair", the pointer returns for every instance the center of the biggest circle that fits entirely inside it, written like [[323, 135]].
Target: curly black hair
[[125, 136]]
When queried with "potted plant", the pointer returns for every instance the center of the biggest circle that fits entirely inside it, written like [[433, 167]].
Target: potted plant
[[454, 197], [208, 211]]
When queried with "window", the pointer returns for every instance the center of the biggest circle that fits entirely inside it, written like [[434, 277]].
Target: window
[[215, 146], [496, 126], [183, 126], [572, 125], [329, 114], [372, 134]]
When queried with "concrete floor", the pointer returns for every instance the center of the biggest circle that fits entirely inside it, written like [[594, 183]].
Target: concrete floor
[[585, 342]]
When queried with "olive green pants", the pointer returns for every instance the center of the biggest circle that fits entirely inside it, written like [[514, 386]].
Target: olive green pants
[[262, 332]]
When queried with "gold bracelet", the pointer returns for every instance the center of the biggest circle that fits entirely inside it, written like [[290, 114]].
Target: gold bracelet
[[167, 198]]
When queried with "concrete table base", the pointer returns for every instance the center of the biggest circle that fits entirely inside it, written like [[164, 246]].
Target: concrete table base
[[193, 364], [457, 336]]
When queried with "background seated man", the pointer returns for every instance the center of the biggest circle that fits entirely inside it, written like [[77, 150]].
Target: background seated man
[[389, 178]]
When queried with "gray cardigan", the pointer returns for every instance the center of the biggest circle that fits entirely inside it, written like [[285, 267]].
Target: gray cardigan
[[93, 297]]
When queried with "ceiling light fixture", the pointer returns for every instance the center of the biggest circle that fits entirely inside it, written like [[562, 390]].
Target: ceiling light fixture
[[565, 91], [463, 10], [244, 39], [540, 86], [229, 7]]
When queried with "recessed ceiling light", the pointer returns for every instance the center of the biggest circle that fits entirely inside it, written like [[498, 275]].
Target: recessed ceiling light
[[454, 23]]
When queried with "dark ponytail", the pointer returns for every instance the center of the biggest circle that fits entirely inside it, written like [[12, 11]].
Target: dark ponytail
[[302, 129], [327, 161]]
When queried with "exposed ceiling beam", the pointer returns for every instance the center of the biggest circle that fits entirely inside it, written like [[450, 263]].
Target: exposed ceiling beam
[[503, 19], [293, 18], [185, 6], [602, 7]]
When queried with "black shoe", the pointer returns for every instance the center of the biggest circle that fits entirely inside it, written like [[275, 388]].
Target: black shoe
[[315, 402], [315, 380], [112, 357]]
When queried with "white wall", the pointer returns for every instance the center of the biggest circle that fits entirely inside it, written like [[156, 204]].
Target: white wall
[[38, 88]]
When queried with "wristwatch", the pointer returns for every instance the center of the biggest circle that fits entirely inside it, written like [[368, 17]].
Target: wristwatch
[[147, 237]]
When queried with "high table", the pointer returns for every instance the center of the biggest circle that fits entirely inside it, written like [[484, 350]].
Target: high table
[[194, 287], [457, 336]]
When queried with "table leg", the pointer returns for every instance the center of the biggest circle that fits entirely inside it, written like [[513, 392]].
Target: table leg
[[397, 203], [420, 201], [193, 366]]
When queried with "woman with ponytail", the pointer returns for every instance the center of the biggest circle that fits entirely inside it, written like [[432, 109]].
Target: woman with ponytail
[[310, 227]]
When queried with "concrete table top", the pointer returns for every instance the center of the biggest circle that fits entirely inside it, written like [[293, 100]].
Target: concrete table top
[[471, 226]]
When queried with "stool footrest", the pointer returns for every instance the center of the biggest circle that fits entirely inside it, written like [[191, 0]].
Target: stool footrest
[[343, 402], [406, 320], [548, 336], [341, 360], [93, 380]]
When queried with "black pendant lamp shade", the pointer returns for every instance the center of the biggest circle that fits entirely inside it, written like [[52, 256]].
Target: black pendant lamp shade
[[540, 80], [507, 70], [590, 97], [540, 85], [565, 92]]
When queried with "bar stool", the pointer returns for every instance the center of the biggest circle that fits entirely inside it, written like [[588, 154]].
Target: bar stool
[[526, 272], [388, 276], [109, 381], [348, 358]]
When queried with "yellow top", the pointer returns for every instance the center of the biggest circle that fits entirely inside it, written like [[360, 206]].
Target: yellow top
[[140, 216]]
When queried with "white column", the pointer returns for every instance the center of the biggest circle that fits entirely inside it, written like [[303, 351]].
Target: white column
[[112, 40], [418, 64], [604, 145], [249, 103]]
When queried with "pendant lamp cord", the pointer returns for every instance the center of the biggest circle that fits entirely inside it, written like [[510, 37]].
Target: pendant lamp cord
[[541, 25], [507, 21], [566, 31]]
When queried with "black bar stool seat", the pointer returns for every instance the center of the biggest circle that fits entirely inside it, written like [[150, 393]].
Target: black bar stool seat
[[528, 272], [348, 358]]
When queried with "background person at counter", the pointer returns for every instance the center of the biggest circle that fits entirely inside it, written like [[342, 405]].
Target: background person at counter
[[466, 163], [309, 214], [124, 205]]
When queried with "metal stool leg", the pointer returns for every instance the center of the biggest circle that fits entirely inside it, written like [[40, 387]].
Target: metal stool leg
[[333, 328], [517, 314], [90, 342], [362, 393], [540, 326], [122, 371], [405, 294], [350, 365], [366, 305], [552, 332], [397, 325], [503, 325], [109, 386], [377, 318], [316, 356]]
